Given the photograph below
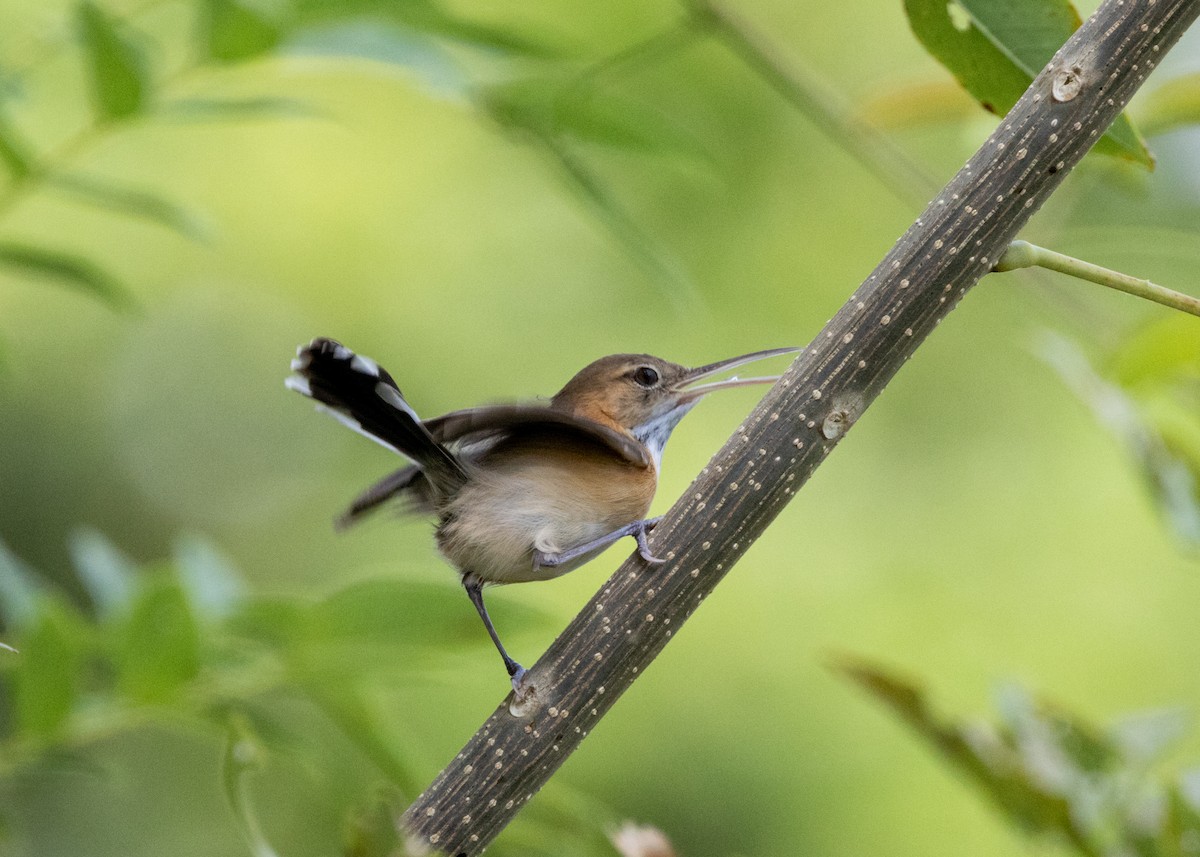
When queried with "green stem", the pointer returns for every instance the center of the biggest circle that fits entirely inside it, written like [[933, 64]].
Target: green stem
[[666, 41], [683, 292], [55, 161], [826, 109], [243, 755], [1022, 254]]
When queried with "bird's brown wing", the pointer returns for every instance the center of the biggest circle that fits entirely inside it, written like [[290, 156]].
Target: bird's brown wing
[[480, 425], [408, 485], [472, 431]]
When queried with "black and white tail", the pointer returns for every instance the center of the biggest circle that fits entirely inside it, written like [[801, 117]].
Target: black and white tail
[[362, 395]]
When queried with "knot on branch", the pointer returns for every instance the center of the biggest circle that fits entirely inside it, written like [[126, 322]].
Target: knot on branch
[[1067, 83], [843, 411]]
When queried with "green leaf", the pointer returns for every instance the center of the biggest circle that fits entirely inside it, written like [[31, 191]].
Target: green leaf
[[229, 109], [1157, 371], [369, 626], [46, 680], [376, 627], [1052, 772], [15, 152], [1174, 426], [432, 18], [213, 585], [160, 649], [1189, 789], [1123, 140], [120, 80], [1156, 420], [280, 622], [70, 270], [1056, 747], [107, 574], [133, 202], [1163, 351], [18, 592], [427, 17], [235, 30], [1182, 826], [1175, 104], [398, 613], [995, 48], [1146, 737], [993, 764], [415, 52]]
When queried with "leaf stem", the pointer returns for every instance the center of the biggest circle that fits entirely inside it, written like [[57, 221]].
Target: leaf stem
[[243, 755], [1022, 254], [673, 38], [666, 271], [832, 115]]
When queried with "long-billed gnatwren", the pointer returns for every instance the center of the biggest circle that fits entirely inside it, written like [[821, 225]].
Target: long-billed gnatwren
[[521, 492]]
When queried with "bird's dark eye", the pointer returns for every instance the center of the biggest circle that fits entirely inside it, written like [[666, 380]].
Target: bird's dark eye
[[646, 376]]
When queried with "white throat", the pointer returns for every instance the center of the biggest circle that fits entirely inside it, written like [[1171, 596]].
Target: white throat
[[655, 432]]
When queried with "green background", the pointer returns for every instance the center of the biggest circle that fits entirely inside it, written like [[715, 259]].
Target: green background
[[977, 526]]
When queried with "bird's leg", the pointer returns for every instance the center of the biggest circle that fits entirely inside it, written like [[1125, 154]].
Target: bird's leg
[[637, 529], [516, 672]]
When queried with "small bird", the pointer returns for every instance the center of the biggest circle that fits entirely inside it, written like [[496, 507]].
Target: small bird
[[526, 491]]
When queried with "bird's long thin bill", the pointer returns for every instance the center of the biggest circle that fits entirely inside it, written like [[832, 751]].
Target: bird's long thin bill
[[695, 393], [703, 389], [723, 365], [733, 362]]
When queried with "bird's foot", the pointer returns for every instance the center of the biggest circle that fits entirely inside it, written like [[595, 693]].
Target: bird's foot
[[524, 699], [639, 534], [638, 529]]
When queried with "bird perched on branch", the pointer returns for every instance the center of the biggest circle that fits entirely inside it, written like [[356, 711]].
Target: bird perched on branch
[[527, 491]]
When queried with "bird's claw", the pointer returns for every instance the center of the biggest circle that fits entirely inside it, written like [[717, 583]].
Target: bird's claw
[[638, 529], [643, 546], [519, 685]]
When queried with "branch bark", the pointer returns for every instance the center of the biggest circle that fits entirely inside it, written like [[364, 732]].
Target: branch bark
[[956, 241]]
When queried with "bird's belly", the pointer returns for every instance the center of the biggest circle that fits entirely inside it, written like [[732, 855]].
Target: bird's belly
[[505, 513]]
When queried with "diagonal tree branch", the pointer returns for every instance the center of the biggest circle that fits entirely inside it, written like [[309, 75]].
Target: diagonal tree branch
[[955, 242]]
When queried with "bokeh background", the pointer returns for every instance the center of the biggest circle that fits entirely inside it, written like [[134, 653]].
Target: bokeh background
[[979, 526]]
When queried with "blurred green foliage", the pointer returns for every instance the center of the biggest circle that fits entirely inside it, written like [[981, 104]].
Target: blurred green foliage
[[185, 642], [1053, 774], [485, 199]]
